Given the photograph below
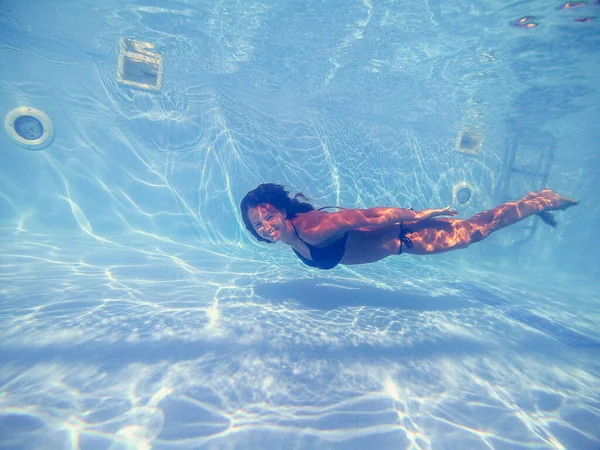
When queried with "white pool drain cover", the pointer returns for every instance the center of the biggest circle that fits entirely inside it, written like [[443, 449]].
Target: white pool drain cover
[[29, 127]]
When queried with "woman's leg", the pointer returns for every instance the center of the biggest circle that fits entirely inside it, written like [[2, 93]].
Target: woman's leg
[[441, 235]]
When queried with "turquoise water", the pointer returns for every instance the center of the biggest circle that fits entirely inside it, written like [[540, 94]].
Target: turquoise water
[[135, 310]]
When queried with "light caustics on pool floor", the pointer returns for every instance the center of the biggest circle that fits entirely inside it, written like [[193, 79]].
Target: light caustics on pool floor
[[153, 323], [134, 349]]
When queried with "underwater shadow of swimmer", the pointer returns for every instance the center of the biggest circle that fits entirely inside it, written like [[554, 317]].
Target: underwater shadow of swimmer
[[324, 295]]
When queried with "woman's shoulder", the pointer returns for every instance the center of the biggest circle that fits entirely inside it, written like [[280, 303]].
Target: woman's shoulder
[[314, 228], [309, 218]]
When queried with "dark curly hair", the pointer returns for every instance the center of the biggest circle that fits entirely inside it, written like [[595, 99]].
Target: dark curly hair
[[276, 195]]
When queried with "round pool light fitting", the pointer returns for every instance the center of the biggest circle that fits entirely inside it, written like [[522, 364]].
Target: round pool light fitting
[[462, 194], [29, 127]]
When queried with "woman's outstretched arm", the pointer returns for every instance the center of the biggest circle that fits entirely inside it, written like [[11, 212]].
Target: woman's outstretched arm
[[379, 217], [320, 226]]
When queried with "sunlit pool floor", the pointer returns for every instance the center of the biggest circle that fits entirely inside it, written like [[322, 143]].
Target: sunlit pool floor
[[107, 346]]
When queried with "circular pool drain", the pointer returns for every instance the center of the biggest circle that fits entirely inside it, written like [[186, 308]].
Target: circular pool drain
[[29, 127], [462, 194]]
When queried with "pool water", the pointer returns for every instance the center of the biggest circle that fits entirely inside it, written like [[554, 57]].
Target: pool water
[[137, 312]]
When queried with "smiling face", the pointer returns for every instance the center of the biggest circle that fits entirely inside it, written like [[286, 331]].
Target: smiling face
[[269, 222]]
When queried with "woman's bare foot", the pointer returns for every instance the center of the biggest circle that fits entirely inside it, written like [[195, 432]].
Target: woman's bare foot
[[552, 201], [548, 218]]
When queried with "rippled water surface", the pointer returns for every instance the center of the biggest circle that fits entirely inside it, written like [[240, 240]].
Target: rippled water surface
[[135, 310]]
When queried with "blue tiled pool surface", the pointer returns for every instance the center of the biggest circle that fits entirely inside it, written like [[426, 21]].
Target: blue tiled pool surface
[[136, 311]]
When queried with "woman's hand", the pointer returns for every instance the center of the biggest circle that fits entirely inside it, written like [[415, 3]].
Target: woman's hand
[[442, 212], [429, 213]]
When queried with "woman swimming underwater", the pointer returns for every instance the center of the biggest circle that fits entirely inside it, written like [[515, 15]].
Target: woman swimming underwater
[[360, 236]]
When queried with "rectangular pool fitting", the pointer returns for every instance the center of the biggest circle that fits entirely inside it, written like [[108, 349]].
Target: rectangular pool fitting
[[469, 142], [140, 66]]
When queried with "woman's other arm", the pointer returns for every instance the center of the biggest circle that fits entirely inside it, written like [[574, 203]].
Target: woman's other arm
[[320, 226]]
